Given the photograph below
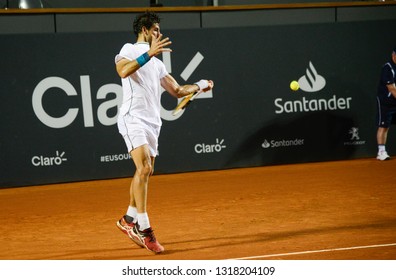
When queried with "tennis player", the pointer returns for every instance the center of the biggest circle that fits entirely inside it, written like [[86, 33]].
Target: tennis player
[[386, 99], [139, 121]]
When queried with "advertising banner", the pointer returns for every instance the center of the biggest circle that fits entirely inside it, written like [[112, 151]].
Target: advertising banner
[[59, 95]]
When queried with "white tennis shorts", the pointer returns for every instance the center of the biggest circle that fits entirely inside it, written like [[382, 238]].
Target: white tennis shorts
[[137, 133]]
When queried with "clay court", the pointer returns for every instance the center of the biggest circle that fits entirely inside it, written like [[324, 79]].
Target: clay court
[[341, 210]]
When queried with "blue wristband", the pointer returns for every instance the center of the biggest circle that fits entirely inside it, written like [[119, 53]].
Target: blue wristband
[[143, 59]]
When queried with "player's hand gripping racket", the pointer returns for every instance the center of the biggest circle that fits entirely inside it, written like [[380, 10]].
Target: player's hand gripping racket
[[189, 98], [185, 102]]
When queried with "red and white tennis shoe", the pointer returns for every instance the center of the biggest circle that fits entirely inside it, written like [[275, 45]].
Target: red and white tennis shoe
[[127, 228], [147, 238]]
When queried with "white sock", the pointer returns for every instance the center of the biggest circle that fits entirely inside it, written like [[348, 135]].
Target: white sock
[[143, 221], [381, 148], [132, 212]]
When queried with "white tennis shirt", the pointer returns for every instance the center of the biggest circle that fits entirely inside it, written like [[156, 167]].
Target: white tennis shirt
[[142, 89]]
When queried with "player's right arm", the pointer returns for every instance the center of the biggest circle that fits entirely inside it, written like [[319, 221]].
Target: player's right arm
[[126, 67], [178, 91]]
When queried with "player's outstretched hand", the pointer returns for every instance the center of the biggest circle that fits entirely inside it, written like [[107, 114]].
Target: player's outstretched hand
[[158, 45]]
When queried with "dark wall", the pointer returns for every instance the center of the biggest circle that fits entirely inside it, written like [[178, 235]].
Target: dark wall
[[119, 22], [147, 3], [59, 94]]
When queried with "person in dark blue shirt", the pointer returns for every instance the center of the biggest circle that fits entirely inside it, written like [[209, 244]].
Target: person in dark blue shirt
[[386, 104]]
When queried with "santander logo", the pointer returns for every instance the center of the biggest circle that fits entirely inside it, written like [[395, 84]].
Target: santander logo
[[311, 81]]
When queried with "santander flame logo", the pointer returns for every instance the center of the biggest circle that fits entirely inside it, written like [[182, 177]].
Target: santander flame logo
[[311, 81]]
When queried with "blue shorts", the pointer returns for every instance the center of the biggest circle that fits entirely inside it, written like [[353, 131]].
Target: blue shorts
[[385, 114]]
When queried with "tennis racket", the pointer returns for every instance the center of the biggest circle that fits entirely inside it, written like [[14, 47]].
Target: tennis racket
[[185, 102]]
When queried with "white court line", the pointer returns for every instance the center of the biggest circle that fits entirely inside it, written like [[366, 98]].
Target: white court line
[[317, 251]]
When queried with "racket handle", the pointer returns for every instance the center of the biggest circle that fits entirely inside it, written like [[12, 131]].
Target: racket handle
[[194, 95]]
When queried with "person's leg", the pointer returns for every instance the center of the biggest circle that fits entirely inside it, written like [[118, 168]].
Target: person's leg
[[131, 215], [144, 163], [138, 194], [384, 119], [138, 191], [129, 220], [382, 135]]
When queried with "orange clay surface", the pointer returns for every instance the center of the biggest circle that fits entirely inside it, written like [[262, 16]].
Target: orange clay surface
[[290, 212]]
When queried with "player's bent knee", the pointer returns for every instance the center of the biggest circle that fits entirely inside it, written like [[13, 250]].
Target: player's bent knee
[[144, 171]]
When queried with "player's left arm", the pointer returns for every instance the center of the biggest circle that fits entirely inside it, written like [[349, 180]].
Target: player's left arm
[[178, 91]]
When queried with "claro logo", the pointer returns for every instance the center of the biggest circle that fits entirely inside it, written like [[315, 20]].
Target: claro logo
[[47, 85], [58, 159], [203, 148], [70, 115]]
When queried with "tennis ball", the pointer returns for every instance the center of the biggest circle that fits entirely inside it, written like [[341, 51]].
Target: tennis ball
[[294, 86]]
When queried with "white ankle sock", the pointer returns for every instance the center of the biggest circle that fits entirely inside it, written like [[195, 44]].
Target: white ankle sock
[[381, 148], [132, 212], [143, 221]]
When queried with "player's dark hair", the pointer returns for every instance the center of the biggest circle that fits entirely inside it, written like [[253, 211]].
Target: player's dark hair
[[148, 19]]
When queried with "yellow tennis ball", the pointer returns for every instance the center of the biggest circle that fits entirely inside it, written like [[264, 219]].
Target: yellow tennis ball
[[294, 85]]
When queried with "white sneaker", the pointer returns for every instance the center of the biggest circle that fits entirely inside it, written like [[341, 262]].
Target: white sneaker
[[383, 155]]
